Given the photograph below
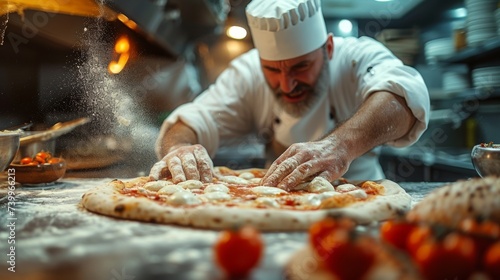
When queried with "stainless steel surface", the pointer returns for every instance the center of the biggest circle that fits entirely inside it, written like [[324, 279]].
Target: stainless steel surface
[[9, 144], [486, 160], [20, 126], [53, 132], [57, 239]]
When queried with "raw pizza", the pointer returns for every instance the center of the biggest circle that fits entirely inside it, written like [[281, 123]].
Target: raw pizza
[[235, 197]]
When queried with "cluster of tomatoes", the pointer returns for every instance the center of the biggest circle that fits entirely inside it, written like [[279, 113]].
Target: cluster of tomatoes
[[443, 253], [340, 249], [438, 252], [40, 158]]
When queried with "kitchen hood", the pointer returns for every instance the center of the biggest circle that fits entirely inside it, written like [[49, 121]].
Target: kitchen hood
[[171, 24], [86, 8]]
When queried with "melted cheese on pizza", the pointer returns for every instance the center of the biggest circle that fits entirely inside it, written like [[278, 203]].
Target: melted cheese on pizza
[[263, 190], [235, 190], [216, 188], [183, 198]]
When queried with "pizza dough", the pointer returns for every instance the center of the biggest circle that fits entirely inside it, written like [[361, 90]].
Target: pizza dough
[[450, 204], [235, 198]]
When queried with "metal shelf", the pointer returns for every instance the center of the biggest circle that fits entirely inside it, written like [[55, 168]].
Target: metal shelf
[[473, 54], [467, 101]]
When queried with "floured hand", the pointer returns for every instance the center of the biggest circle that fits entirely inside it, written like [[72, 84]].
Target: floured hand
[[185, 163], [322, 158]]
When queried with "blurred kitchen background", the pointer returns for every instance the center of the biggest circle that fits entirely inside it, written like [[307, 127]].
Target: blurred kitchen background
[[127, 64]]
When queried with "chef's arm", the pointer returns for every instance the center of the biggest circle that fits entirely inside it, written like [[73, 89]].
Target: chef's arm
[[183, 159], [179, 134], [383, 117]]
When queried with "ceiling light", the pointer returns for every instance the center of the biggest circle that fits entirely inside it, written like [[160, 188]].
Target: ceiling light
[[345, 26], [383, 0], [458, 13], [236, 32]]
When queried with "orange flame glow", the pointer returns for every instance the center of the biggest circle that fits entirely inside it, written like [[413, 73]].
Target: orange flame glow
[[122, 47]]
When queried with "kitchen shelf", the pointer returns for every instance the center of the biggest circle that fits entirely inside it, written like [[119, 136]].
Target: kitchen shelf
[[467, 101], [478, 94], [473, 54], [420, 163]]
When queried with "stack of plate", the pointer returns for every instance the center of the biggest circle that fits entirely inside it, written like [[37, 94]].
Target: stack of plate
[[455, 82], [497, 19], [481, 24], [438, 49], [486, 77]]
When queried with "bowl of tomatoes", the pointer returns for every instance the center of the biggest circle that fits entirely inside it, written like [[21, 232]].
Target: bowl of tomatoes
[[39, 169], [486, 159]]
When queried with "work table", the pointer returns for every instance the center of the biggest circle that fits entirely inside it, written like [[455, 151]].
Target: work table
[[56, 239]]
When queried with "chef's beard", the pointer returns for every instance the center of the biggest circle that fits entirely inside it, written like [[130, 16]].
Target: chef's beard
[[313, 93]]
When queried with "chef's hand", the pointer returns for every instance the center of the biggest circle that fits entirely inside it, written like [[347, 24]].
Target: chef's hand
[[185, 163], [326, 158]]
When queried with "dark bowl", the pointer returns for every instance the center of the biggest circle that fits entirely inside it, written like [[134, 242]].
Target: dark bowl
[[486, 160], [40, 173]]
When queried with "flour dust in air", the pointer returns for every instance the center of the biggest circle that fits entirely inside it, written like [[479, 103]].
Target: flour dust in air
[[4, 20], [109, 98]]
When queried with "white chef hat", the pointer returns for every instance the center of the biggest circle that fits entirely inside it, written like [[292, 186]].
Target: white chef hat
[[284, 29]]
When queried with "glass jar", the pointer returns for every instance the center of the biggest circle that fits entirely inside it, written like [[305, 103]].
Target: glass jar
[[459, 35]]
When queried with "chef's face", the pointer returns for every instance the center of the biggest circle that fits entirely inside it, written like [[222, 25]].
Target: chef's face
[[298, 82]]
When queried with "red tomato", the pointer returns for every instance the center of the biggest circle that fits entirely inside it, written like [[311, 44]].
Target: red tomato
[[452, 258], [396, 232], [26, 160], [481, 227], [42, 157], [349, 257], [416, 238], [53, 160], [491, 261], [484, 232], [322, 228], [237, 252]]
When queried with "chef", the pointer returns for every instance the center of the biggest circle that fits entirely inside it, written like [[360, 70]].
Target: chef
[[322, 105]]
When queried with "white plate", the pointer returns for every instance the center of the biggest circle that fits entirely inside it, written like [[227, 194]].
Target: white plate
[[486, 76], [487, 70], [479, 37], [473, 15], [485, 85], [480, 22], [439, 42], [481, 4], [480, 17], [481, 27], [487, 79]]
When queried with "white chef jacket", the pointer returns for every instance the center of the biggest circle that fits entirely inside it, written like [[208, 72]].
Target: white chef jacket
[[240, 102]]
